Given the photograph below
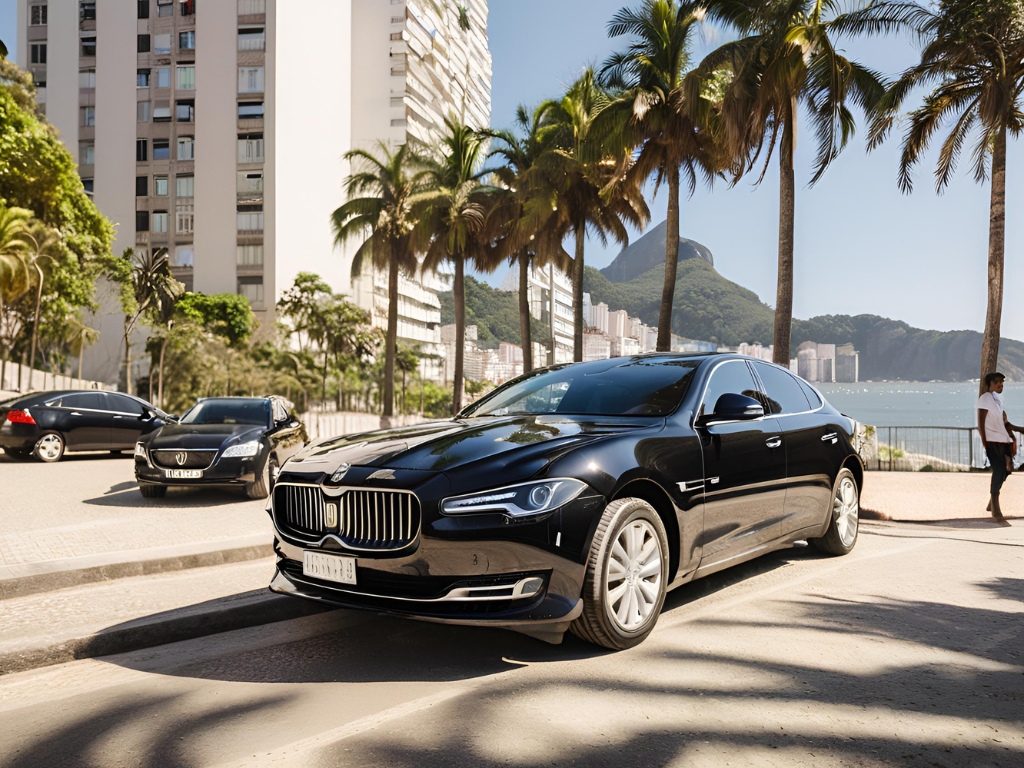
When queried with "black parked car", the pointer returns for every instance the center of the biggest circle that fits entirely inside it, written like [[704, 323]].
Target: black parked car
[[571, 498], [47, 424], [238, 441]]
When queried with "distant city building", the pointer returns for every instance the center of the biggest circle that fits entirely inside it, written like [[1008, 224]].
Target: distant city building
[[596, 346], [847, 367], [825, 363], [542, 285]]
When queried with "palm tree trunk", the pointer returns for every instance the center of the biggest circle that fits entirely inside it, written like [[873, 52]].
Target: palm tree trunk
[[524, 311], [787, 208], [668, 290], [390, 345], [160, 374], [127, 357], [996, 245], [81, 355], [577, 297], [459, 297], [35, 328]]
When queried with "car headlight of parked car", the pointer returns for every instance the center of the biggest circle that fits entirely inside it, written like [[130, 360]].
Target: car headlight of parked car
[[517, 500], [140, 450], [242, 450]]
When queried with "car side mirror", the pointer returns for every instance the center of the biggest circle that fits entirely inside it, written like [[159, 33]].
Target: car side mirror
[[734, 407]]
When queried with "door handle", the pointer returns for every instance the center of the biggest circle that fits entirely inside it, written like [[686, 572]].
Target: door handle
[[117, 417], [831, 437], [75, 413], [773, 442]]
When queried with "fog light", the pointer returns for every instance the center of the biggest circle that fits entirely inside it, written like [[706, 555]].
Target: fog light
[[529, 587]]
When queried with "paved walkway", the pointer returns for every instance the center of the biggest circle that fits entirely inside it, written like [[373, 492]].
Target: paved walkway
[[953, 497]]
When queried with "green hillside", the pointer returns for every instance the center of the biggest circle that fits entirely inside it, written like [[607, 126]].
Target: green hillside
[[495, 314]]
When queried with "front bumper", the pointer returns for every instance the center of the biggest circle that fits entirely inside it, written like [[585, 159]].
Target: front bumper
[[221, 472]]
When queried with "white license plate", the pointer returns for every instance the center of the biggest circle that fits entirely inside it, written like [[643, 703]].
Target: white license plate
[[183, 474], [329, 567]]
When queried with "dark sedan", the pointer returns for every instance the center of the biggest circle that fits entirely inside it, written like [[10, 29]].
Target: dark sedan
[[571, 498], [239, 441], [48, 424]]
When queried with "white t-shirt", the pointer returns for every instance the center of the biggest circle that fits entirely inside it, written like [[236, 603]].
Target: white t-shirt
[[995, 429]]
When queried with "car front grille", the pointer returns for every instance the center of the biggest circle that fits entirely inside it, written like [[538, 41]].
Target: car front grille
[[194, 459], [363, 519]]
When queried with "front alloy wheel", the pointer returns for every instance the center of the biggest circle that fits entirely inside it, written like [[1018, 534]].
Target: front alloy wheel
[[624, 589]]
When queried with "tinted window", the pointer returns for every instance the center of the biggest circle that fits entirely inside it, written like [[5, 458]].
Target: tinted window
[[730, 377], [255, 412], [123, 404], [93, 401], [812, 396], [602, 388], [783, 390]]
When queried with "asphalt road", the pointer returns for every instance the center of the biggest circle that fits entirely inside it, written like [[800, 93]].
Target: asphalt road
[[907, 652]]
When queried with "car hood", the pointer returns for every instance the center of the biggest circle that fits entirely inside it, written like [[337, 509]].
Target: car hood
[[446, 445], [186, 436]]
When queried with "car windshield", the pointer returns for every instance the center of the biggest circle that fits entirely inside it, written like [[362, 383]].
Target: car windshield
[[624, 387], [255, 412]]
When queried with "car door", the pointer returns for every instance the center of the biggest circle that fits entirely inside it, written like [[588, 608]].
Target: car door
[[744, 472], [808, 449], [128, 420], [85, 421]]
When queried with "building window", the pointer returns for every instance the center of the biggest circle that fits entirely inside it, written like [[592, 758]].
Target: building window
[[252, 39], [250, 255], [143, 9], [185, 111], [250, 80], [86, 153], [161, 149], [88, 46], [88, 116], [185, 186], [142, 221], [164, 8], [142, 78], [187, 40], [188, 7], [38, 15], [141, 153], [141, 186], [184, 256], [184, 219], [143, 44], [251, 288], [162, 115], [250, 221], [37, 53], [187, 78], [160, 186], [249, 184], [162, 43], [87, 10], [159, 221], [250, 148], [251, 7], [87, 78], [163, 77], [248, 110], [142, 112], [396, 35], [186, 148], [87, 185]]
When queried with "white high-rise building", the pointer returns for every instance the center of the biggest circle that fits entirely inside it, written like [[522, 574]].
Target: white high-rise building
[[216, 130]]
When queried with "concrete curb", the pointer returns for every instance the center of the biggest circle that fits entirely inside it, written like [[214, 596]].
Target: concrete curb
[[247, 610], [74, 572]]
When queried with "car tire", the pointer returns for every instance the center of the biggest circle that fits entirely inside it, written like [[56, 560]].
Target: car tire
[[151, 491], [49, 448], [261, 488], [844, 517], [624, 589]]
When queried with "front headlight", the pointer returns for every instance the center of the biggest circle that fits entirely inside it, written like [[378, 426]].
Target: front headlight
[[517, 500], [242, 450], [140, 450]]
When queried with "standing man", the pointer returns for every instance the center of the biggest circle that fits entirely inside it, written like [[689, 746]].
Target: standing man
[[997, 438]]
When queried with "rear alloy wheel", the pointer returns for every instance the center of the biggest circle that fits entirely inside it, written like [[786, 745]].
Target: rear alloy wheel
[[153, 491], [49, 448], [265, 483], [844, 524], [624, 588]]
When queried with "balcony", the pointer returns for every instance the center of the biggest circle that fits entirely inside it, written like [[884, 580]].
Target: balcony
[[252, 7]]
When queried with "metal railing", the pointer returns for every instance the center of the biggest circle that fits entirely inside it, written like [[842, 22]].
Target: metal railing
[[924, 449]]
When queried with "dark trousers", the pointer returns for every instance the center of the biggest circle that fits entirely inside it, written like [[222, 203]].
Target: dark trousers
[[997, 453]]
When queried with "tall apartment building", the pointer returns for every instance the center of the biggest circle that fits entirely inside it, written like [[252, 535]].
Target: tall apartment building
[[216, 129]]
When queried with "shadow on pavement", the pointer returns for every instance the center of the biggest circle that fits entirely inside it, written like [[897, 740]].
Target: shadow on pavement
[[70, 457], [127, 494]]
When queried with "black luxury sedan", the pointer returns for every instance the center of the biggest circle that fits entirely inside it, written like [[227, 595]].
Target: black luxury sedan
[[240, 441], [48, 424], [572, 497]]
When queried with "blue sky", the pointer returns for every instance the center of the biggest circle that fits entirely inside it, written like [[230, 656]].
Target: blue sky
[[861, 245]]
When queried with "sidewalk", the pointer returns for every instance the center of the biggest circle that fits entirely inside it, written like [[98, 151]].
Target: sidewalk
[[923, 497]]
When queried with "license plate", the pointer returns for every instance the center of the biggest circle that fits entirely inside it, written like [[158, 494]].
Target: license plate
[[183, 474], [329, 567]]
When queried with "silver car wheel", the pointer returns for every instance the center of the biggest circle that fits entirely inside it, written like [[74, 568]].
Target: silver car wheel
[[50, 447], [846, 511], [633, 585]]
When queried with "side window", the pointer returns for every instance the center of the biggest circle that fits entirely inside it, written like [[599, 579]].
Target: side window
[[783, 391], [812, 396], [123, 404], [730, 377], [93, 401]]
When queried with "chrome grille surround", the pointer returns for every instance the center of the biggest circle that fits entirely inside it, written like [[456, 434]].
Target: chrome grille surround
[[369, 519], [195, 458]]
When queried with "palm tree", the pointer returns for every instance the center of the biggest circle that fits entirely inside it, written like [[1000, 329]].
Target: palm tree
[[81, 336], [593, 190], [43, 244], [151, 286], [379, 212], [14, 270], [672, 132], [452, 225], [973, 57], [787, 58]]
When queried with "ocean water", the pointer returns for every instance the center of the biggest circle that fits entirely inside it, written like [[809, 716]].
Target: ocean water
[[918, 404]]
